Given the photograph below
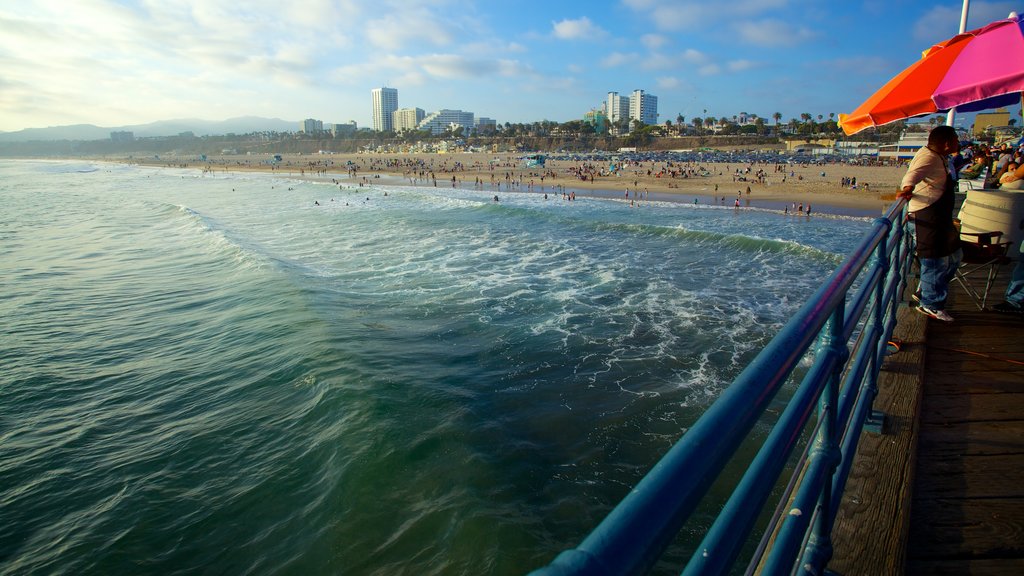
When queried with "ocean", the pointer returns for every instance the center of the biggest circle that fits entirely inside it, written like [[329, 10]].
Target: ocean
[[250, 374]]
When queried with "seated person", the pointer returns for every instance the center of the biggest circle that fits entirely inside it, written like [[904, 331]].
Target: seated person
[[1008, 175], [1012, 179], [976, 168]]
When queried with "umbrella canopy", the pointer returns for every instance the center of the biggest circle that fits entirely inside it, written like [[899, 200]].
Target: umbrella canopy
[[976, 70]]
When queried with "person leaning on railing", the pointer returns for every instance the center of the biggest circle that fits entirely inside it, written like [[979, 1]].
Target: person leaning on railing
[[928, 185]]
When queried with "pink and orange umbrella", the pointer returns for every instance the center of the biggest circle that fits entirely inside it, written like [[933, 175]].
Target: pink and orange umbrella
[[976, 70]]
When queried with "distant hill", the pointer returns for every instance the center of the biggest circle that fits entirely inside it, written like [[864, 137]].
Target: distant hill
[[84, 132]]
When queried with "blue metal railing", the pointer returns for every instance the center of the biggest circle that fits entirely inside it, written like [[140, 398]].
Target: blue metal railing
[[851, 329]]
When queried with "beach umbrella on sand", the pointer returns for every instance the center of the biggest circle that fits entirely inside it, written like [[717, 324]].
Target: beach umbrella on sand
[[976, 70]]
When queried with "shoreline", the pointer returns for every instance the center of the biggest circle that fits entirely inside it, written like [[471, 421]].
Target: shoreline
[[825, 187]]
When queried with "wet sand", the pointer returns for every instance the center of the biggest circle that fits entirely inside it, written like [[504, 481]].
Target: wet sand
[[765, 185]]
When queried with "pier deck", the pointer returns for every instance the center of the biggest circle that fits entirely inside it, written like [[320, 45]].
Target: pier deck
[[941, 491], [967, 513]]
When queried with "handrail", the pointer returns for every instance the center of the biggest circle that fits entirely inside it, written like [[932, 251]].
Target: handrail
[[851, 330]]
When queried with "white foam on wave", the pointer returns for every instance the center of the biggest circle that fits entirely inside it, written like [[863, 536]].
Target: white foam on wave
[[215, 241]]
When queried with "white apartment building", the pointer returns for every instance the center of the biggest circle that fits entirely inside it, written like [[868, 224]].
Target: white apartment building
[[385, 102], [407, 118], [643, 107], [311, 126], [616, 107], [438, 122]]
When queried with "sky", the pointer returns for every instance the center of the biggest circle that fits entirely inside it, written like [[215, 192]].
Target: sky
[[123, 62]]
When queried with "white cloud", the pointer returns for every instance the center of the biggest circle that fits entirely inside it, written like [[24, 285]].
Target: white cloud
[[579, 29], [740, 65], [871, 66], [489, 47], [709, 70], [939, 23], [653, 41], [693, 56], [772, 32], [657, 61], [399, 29], [695, 14], [668, 82], [619, 59], [421, 69]]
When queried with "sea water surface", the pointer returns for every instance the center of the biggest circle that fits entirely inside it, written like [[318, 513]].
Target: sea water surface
[[213, 374]]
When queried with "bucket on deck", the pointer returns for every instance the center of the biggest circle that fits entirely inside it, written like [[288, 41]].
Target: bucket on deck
[[991, 210]]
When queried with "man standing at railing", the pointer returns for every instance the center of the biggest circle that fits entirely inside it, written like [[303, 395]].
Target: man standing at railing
[[928, 185]]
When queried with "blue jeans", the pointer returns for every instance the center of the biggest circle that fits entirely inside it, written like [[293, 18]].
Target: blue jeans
[[936, 274], [1015, 289]]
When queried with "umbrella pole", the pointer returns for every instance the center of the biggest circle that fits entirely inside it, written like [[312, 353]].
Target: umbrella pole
[[963, 27]]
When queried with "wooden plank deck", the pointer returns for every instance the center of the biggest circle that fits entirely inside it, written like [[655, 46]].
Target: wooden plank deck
[[941, 491], [967, 513]]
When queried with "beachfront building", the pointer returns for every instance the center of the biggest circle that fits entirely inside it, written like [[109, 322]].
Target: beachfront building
[[616, 107], [485, 125], [311, 126], [407, 118], [905, 149], [643, 107], [346, 129], [598, 119], [985, 120], [385, 101], [441, 121]]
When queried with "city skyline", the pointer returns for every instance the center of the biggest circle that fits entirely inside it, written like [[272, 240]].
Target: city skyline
[[116, 63]]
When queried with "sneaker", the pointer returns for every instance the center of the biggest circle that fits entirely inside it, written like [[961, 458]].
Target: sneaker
[[933, 313], [1008, 308], [916, 297]]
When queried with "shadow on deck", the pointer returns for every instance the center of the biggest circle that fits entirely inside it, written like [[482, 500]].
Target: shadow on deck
[[941, 491]]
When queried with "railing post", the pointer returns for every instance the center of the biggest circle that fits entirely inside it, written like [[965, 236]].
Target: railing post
[[875, 420], [819, 544]]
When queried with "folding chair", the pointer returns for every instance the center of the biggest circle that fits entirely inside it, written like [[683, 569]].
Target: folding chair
[[987, 253]]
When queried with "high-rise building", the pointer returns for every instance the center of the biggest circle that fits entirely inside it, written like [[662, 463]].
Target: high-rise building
[[486, 125], [616, 107], [407, 118], [438, 122], [643, 107], [385, 101], [311, 126]]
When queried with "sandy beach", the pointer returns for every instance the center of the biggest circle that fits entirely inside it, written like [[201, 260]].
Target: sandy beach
[[824, 187]]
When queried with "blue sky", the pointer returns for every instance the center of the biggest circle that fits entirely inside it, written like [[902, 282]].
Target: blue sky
[[113, 63]]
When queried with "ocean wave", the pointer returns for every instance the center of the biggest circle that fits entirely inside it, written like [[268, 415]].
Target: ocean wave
[[215, 238], [712, 239]]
